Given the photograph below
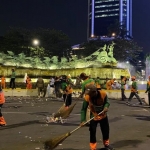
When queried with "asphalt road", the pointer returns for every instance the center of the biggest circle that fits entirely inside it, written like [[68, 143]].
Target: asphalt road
[[27, 130]]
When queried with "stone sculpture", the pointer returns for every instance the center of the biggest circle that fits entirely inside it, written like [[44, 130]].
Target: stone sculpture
[[104, 55]]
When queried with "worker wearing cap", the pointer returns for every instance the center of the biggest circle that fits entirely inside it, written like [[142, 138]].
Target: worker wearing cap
[[148, 90], [109, 84], [123, 83], [97, 101], [67, 92], [86, 82], [134, 91]]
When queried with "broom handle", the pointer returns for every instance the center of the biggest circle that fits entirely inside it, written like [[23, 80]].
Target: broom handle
[[84, 123]]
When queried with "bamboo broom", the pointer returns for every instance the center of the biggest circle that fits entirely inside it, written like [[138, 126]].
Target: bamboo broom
[[54, 142]]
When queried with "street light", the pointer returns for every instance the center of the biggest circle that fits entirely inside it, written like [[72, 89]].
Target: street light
[[36, 44], [113, 34]]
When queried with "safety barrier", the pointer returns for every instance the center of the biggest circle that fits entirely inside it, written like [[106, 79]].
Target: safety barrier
[[112, 94]]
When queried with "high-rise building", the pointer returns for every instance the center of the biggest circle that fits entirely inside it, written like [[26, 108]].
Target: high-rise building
[[102, 13]]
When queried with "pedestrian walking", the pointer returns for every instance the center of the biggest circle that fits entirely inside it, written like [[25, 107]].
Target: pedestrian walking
[[67, 91], [40, 86], [12, 79], [148, 90], [3, 82], [97, 101], [134, 91], [52, 89], [123, 83], [2, 101], [28, 83], [109, 84], [57, 87]]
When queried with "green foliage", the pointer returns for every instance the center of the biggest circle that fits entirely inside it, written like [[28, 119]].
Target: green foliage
[[52, 42], [119, 29], [123, 48], [126, 48]]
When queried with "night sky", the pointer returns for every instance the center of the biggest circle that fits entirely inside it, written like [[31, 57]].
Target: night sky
[[70, 16]]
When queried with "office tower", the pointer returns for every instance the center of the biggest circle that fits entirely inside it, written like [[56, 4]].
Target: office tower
[[102, 13]]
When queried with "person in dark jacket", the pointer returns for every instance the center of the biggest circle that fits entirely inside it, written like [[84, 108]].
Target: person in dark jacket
[[40, 86], [148, 90], [12, 79]]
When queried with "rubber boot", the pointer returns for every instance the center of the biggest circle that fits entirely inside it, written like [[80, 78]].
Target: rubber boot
[[93, 146], [2, 121]]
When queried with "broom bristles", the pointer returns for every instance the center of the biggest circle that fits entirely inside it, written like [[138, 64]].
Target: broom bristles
[[54, 142], [64, 113]]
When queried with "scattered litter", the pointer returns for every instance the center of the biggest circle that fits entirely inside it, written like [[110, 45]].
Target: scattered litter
[[37, 148]]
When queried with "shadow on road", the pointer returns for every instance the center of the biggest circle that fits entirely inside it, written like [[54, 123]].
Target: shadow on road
[[125, 143], [21, 124], [40, 113], [115, 119], [140, 117]]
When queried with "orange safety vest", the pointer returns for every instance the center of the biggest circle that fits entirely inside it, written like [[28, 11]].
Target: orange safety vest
[[28, 81], [100, 102], [69, 89], [2, 98], [3, 79]]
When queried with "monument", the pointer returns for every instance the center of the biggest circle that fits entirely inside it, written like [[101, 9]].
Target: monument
[[101, 64]]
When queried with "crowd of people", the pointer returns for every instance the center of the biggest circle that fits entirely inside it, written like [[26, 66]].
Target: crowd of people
[[95, 100]]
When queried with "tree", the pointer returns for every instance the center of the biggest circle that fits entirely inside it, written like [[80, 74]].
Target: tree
[[16, 40], [123, 49], [52, 42], [119, 29]]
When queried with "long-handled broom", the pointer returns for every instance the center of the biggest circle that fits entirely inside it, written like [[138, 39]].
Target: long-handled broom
[[64, 113], [54, 142]]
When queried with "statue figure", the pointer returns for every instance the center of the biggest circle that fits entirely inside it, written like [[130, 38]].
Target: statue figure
[[55, 59], [110, 53], [64, 60], [102, 57], [74, 58]]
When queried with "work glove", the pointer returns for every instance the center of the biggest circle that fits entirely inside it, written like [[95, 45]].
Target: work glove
[[105, 109]]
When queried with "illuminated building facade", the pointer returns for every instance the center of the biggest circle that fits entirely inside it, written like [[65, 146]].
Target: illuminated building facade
[[102, 13]]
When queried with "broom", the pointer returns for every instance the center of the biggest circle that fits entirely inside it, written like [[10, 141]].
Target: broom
[[54, 142], [64, 113]]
